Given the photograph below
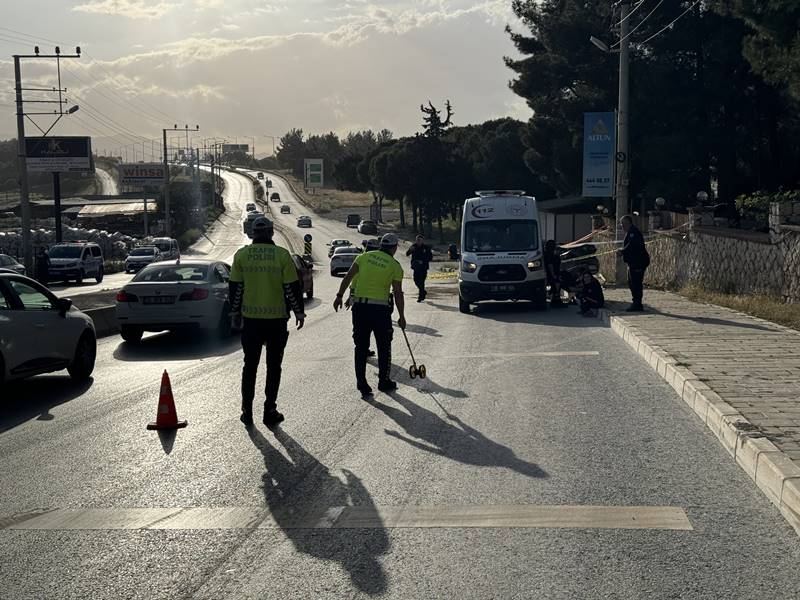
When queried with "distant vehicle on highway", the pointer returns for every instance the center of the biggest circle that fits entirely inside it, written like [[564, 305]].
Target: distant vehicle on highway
[[353, 220], [304, 221], [75, 260], [176, 295], [9, 263], [371, 244], [40, 333], [260, 175], [343, 258], [334, 244], [368, 228], [250, 207], [286, 209], [247, 226], [168, 247], [275, 197], [501, 251], [305, 272], [141, 257]]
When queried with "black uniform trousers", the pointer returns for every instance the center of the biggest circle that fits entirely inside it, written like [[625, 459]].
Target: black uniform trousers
[[369, 319], [255, 334], [420, 276], [636, 283]]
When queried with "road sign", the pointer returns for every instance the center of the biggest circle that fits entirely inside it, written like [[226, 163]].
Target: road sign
[[59, 154], [599, 145], [307, 237], [313, 173], [141, 174]]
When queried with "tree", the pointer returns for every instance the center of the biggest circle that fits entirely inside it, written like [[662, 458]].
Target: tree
[[291, 151], [433, 125]]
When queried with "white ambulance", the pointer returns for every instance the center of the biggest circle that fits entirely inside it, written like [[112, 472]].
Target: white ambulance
[[501, 250]]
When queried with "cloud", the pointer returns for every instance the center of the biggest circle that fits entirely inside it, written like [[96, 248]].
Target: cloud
[[131, 9]]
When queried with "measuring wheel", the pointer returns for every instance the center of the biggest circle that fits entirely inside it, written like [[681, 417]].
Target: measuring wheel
[[422, 372], [413, 371]]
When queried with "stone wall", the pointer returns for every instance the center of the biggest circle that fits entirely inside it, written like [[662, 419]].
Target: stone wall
[[724, 260]]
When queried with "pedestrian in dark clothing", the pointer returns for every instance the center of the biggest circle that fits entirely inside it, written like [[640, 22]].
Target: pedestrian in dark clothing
[[42, 267], [634, 253], [421, 257], [552, 273], [591, 295]]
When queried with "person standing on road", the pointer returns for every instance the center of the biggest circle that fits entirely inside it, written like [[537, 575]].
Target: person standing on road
[[263, 286], [634, 253], [379, 274], [421, 257], [552, 272]]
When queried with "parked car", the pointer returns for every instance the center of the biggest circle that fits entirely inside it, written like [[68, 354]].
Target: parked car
[[371, 244], [75, 260], [368, 228], [168, 247], [40, 333], [250, 207], [260, 175], [353, 220], [176, 295], [343, 258], [275, 197], [141, 257], [9, 263], [304, 221], [305, 272], [334, 244], [286, 209]]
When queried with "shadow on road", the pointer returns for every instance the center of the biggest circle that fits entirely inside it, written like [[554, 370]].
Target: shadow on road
[[422, 330], [34, 397], [452, 438], [299, 492], [523, 312], [426, 385], [176, 346]]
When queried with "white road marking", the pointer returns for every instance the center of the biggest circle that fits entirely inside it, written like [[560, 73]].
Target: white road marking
[[358, 517]]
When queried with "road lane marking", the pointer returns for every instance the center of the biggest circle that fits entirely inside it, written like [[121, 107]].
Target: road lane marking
[[358, 517]]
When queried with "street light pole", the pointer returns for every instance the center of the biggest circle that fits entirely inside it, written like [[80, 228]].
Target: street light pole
[[25, 206], [623, 159]]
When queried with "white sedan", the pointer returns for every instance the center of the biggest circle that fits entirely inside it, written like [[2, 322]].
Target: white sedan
[[40, 333], [343, 258], [176, 295]]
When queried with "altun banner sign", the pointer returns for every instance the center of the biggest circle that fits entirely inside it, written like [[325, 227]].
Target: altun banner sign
[[59, 154], [599, 147]]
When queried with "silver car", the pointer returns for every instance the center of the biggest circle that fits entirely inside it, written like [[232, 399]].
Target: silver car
[[141, 257]]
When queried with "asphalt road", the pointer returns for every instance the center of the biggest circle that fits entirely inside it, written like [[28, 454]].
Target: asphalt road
[[477, 482]]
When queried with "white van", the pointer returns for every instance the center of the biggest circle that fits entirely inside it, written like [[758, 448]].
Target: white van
[[501, 250], [168, 247]]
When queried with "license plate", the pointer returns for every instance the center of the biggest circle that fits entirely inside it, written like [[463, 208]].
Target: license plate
[[502, 288], [158, 300]]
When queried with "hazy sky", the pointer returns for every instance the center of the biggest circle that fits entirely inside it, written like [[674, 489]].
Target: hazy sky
[[258, 67]]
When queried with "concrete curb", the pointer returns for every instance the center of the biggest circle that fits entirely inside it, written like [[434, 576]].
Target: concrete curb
[[105, 320], [773, 472]]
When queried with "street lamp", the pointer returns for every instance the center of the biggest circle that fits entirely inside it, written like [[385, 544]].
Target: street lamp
[[660, 202], [599, 43], [702, 197], [73, 109]]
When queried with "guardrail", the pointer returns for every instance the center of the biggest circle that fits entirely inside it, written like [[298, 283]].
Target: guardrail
[[105, 320]]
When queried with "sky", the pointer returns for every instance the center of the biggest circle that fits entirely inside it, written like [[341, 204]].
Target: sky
[[244, 69]]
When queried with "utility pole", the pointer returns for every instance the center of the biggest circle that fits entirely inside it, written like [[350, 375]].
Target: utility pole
[[623, 158]]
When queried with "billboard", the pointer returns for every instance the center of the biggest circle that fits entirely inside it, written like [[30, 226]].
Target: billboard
[[141, 174], [599, 147], [313, 173], [235, 148], [59, 154]]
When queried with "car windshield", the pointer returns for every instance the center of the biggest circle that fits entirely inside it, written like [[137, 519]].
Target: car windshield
[[142, 252], [65, 251], [163, 246], [512, 235], [173, 273]]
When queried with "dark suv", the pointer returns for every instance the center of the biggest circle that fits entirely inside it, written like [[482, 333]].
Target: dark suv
[[353, 220]]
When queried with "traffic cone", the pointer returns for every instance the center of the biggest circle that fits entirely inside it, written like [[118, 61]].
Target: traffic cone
[[167, 417]]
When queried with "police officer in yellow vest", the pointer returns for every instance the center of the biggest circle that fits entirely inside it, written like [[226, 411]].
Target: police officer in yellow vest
[[263, 287], [379, 274]]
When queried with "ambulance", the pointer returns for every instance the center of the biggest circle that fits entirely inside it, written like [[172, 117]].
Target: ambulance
[[501, 250]]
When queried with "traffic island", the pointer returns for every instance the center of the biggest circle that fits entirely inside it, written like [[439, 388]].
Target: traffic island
[[740, 375]]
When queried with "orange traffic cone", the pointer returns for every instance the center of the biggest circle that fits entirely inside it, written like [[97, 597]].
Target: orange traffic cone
[[167, 417]]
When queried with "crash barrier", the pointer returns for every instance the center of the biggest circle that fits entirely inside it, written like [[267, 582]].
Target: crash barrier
[[105, 320]]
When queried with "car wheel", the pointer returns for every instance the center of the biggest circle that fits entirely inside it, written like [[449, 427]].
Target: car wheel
[[79, 278], [132, 335], [99, 278], [82, 363], [463, 305]]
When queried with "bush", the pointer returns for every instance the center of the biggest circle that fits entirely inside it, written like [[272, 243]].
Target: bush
[[189, 237], [755, 207]]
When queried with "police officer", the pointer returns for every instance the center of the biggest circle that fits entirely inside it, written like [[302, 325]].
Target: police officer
[[634, 253], [421, 257], [552, 272], [379, 274], [263, 286]]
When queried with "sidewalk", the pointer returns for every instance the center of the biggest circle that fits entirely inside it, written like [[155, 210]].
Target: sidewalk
[[740, 374]]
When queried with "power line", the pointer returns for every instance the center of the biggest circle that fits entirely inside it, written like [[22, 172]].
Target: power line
[[642, 22], [630, 14], [663, 29]]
